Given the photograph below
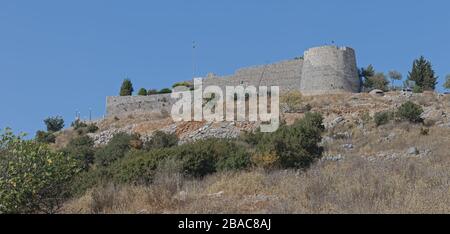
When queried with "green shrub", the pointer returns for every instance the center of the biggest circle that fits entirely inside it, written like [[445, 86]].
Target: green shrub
[[83, 128], [410, 111], [77, 124], [165, 90], [142, 92], [183, 83], [82, 149], [194, 160], [237, 158], [382, 118], [207, 156], [116, 148], [86, 180], [294, 146], [92, 128], [54, 124], [252, 138], [33, 179], [161, 140], [45, 137], [138, 167]]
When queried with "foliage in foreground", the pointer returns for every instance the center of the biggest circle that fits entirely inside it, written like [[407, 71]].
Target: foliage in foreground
[[32, 177]]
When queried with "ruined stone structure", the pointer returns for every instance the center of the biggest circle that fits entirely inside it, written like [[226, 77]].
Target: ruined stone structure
[[322, 70]]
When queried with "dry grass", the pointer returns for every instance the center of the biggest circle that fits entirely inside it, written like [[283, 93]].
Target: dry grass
[[354, 185]]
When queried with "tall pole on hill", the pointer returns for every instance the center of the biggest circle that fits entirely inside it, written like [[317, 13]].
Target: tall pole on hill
[[193, 59]]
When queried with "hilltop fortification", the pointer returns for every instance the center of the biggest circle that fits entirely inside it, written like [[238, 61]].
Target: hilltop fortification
[[321, 70]]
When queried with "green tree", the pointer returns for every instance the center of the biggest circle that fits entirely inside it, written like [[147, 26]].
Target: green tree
[[394, 75], [33, 178], [142, 92], [447, 82], [367, 72], [365, 75], [127, 88], [423, 74], [54, 124], [377, 81]]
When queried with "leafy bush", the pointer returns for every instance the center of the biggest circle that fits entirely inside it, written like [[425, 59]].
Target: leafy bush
[[294, 146], [45, 137], [54, 124], [83, 128], [33, 178], [77, 124], [194, 160], [116, 148], [142, 92], [138, 167], [161, 140], [207, 156], [165, 90], [410, 111], [86, 180], [183, 83], [382, 118], [82, 149], [92, 128]]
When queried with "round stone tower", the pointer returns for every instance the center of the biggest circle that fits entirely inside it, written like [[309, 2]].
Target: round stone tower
[[329, 69]]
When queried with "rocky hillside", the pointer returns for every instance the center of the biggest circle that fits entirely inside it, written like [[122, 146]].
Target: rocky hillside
[[393, 167], [347, 116]]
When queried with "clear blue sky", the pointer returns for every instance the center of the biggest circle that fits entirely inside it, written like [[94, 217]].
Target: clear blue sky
[[57, 57]]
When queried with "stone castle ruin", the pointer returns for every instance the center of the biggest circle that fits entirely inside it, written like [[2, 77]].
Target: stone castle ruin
[[322, 70]]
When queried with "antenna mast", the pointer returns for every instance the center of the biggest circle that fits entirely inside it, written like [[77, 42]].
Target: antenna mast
[[193, 59]]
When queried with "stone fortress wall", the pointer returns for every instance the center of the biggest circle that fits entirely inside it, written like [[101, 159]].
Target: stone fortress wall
[[329, 69], [322, 70], [285, 74], [125, 105]]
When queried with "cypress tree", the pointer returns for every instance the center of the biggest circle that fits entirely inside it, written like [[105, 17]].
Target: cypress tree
[[127, 88], [423, 74]]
